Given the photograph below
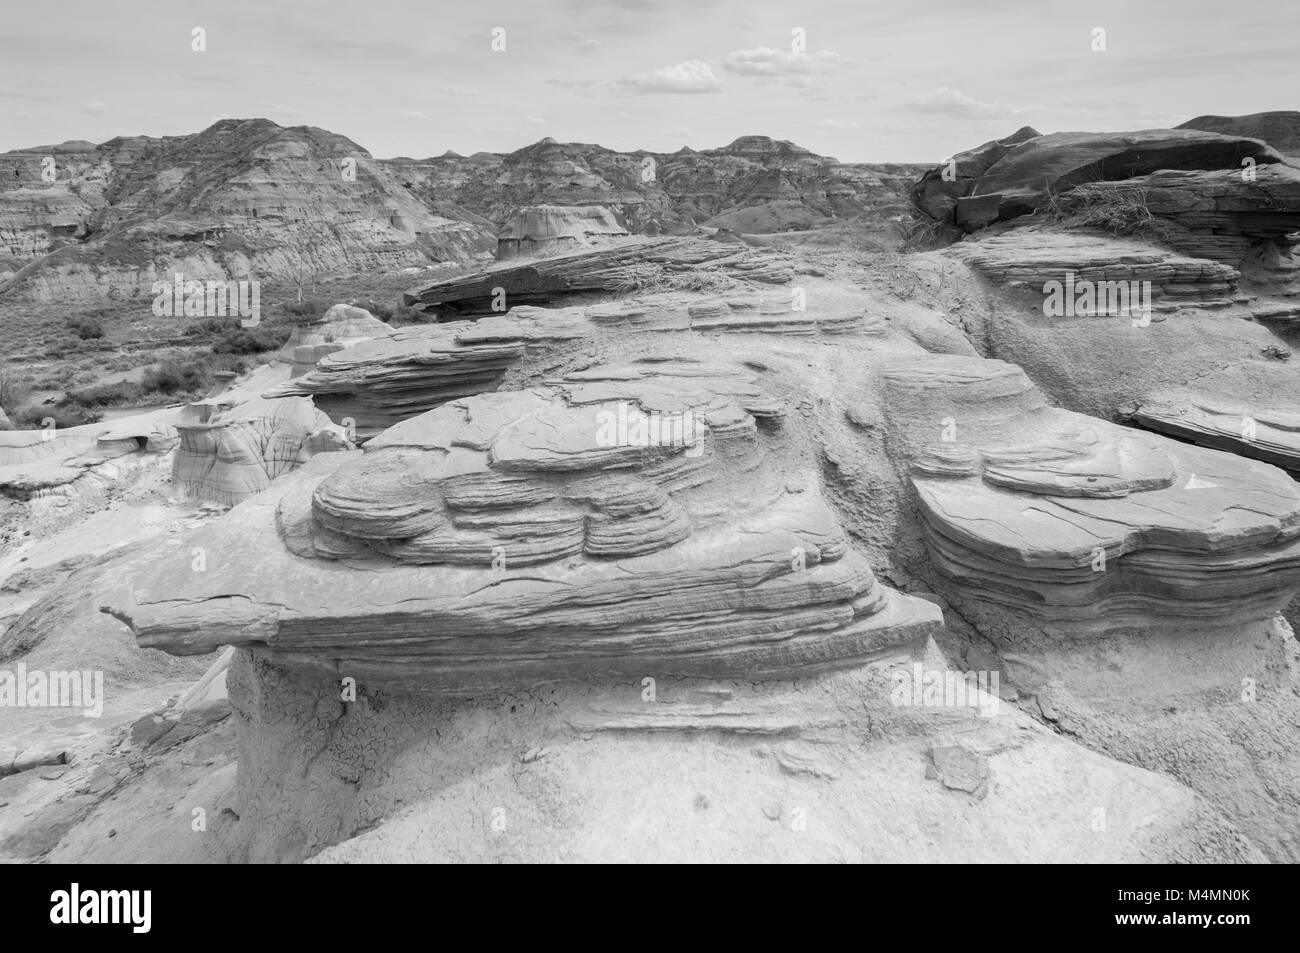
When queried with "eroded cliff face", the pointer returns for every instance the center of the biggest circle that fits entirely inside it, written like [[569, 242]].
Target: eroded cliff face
[[242, 199], [755, 184]]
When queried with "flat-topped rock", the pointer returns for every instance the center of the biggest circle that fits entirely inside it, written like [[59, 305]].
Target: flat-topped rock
[[1077, 521], [624, 265]]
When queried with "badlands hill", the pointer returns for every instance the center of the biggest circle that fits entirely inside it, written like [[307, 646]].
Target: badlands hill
[[252, 199], [755, 184], [241, 199]]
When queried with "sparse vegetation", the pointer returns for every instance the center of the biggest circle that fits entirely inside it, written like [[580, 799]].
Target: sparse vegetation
[[923, 233], [652, 278], [13, 391], [1114, 207]]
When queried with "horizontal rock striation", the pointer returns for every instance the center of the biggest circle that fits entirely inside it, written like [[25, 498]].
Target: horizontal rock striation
[[1080, 523], [620, 521], [625, 266], [1251, 409], [1033, 257], [380, 382]]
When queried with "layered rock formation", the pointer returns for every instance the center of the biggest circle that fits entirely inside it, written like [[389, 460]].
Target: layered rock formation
[[1034, 257], [1249, 408], [636, 264], [1026, 170], [1280, 129], [381, 382], [618, 521], [755, 184], [1080, 523], [542, 230], [242, 199], [237, 454]]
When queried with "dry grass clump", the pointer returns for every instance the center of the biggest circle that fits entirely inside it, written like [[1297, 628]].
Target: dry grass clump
[[1114, 207], [653, 278]]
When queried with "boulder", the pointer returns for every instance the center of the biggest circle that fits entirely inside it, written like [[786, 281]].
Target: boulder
[[937, 191]]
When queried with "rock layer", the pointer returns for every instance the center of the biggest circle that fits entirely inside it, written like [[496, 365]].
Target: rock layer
[[1086, 524], [617, 521]]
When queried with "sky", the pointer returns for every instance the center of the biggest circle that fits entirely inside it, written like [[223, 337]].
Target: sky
[[860, 80]]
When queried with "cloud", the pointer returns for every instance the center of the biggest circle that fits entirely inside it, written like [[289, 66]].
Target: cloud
[[536, 120], [764, 61], [693, 76], [94, 108], [677, 131], [953, 102], [836, 124]]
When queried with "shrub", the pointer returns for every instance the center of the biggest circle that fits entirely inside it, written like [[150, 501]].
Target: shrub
[[13, 391], [172, 377], [250, 340], [63, 417], [86, 328], [1111, 206], [102, 395]]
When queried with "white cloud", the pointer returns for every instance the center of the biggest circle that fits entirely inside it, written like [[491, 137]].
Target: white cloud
[[94, 108], [953, 102], [836, 124], [764, 61], [693, 76], [678, 131], [536, 120]]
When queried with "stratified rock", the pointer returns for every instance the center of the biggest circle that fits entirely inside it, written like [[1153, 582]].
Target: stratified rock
[[1082, 523], [243, 199], [754, 184], [4, 420], [1033, 257], [380, 382], [1057, 162], [1280, 129], [620, 266], [1250, 408], [238, 453], [1025, 174], [622, 520], [539, 230]]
